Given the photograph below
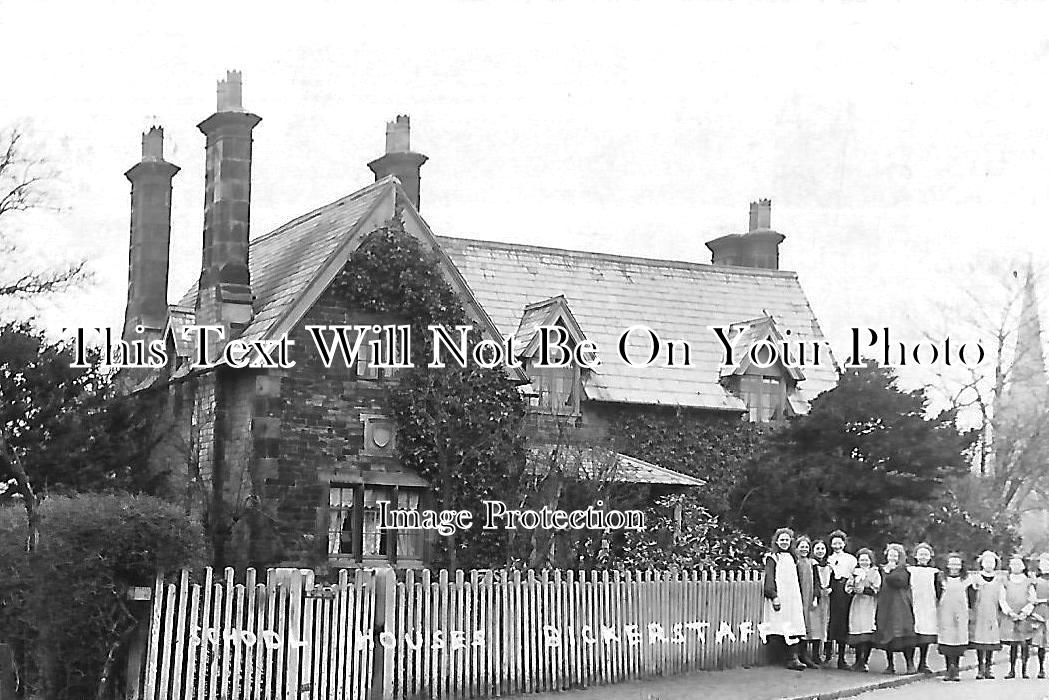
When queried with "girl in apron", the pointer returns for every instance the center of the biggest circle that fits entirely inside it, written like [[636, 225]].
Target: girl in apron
[[1040, 614], [863, 586], [842, 565], [1014, 615], [984, 634], [782, 613], [820, 615], [952, 615], [926, 588]]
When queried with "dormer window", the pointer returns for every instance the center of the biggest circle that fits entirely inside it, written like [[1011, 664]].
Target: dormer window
[[760, 378], [556, 390]]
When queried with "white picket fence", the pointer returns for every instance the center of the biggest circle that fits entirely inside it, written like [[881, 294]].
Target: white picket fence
[[461, 635]]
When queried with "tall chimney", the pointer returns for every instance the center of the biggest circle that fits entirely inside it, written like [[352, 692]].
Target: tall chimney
[[400, 160], [147, 286], [758, 247], [224, 292]]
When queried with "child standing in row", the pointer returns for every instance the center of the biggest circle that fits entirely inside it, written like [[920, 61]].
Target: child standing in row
[[926, 589], [985, 635], [1040, 613], [1014, 619], [863, 587], [783, 613], [842, 565], [820, 615], [953, 616], [806, 582], [894, 619]]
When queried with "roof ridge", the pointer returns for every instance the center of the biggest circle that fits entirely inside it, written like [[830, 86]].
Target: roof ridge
[[310, 214], [684, 264]]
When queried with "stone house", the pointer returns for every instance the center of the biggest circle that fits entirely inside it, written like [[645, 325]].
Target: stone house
[[316, 445]]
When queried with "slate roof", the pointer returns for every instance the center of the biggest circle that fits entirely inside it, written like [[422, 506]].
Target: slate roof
[[604, 293], [678, 300]]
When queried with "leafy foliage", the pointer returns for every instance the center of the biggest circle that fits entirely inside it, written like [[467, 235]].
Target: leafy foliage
[[865, 459], [459, 427], [63, 604], [66, 422], [683, 534]]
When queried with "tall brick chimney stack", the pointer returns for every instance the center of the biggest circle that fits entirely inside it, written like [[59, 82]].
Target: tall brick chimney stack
[[147, 286], [758, 247], [400, 160], [224, 293]]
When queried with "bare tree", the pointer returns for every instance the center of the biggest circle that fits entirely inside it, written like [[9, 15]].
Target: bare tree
[[1004, 398], [23, 181]]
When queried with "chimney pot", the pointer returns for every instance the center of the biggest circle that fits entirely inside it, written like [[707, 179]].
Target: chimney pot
[[761, 215], [230, 93], [398, 135], [153, 144]]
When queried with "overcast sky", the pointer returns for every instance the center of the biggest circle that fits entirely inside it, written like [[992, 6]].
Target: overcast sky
[[903, 145]]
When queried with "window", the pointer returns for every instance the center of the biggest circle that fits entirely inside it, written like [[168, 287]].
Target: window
[[340, 520], [765, 397], [356, 531], [557, 389], [366, 368]]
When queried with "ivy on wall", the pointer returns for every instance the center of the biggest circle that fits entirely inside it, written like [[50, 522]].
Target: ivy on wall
[[715, 449], [461, 428]]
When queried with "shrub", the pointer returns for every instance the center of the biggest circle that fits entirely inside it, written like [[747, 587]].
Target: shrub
[[64, 603]]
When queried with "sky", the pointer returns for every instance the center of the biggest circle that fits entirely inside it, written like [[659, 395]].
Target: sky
[[905, 146]]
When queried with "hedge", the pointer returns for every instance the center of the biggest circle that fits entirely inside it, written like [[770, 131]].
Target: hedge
[[63, 606]]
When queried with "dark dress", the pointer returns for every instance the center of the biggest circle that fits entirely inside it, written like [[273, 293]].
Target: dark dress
[[894, 620], [840, 599], [840, 602]]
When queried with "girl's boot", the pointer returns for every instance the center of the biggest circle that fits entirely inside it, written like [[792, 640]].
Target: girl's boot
[[1012, 661], [803, 655], [816, 645], [908, 656], [1025, 653], [841, 657], [793, 663], [890, 667], [1041, 662], [979, 665], [988, 673], [923, 659]]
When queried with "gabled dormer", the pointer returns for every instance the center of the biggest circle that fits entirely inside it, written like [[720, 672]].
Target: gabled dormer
[[765, 375], [557, 390]]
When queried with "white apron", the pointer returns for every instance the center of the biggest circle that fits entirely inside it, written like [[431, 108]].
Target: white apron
[[789, 620], [923, 593]]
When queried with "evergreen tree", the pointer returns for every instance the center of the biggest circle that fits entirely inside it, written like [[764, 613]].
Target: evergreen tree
[[865, 458]]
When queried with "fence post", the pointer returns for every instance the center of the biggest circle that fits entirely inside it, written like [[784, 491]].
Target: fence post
[[135, 662], [383, 661]]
